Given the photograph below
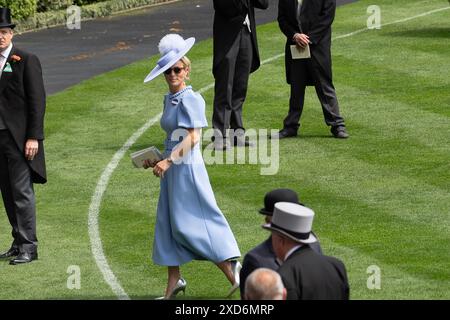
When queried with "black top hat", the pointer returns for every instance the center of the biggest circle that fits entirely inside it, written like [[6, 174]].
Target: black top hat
[[5, 18], [278, 195]]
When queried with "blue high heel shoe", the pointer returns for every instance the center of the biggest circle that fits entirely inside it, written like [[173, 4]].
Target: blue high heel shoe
[[180, 286], [236, 269]]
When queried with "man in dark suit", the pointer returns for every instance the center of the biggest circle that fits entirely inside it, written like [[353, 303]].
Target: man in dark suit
[[235, 57], [263, 255], [22, 162], [308, 23], [306, 274]]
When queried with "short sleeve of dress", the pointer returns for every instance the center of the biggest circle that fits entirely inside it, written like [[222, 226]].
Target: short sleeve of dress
[[191, 112]]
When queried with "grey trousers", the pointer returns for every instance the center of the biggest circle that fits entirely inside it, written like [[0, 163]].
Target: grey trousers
[[18, 194], [231, 80], [324, 89]]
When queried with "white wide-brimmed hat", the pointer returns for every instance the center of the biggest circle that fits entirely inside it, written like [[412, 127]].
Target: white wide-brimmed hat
[[293, 221], [172, 48]]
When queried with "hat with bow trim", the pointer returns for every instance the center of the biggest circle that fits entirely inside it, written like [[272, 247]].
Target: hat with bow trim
[[172, 48]]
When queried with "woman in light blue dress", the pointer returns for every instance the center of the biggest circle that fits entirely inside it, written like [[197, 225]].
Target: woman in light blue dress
[[189, 224]]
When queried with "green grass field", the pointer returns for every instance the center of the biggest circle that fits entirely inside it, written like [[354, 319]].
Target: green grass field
[[381, 197]]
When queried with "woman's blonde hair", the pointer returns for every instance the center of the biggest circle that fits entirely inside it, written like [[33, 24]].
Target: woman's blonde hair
[[187, 63]]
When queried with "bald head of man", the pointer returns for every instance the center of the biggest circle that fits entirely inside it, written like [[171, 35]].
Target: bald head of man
[[264, 284]]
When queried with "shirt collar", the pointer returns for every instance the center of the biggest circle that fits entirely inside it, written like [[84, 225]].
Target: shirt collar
[[293, 249], [7, 51]]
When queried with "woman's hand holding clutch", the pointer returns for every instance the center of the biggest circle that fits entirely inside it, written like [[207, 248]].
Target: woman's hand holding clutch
[[149, 164], [161, 167]]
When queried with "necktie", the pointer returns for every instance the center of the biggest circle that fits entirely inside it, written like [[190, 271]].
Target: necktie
[[299, 10], [247, 23], [247, 20]]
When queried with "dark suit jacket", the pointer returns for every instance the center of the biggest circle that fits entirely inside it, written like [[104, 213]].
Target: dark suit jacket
[[316, 19], [263, 256], [22, 106], [308, 275], [229, 16]]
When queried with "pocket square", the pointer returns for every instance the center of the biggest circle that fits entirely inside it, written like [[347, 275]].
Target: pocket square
[[7, 68]]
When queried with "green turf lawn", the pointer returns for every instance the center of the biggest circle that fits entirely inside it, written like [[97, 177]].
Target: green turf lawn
[[381, 197]]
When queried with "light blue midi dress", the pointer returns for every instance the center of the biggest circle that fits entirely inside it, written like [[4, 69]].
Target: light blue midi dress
[[189, 224]]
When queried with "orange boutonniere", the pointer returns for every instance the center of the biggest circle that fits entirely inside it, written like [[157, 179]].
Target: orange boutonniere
[[15, 58]]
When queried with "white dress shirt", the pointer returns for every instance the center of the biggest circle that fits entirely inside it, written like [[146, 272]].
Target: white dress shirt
[[247, 23], [293, 249], [299, 11], [4, 56]]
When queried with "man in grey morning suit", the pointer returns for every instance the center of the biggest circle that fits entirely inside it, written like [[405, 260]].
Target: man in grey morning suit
[[235, 57], [308, 22], [263, 256], [22, 162], [306, 274]]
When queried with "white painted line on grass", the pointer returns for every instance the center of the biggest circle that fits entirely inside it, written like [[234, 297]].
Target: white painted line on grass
[[94, 209], [418, 16], [366, 29], [391, 23]]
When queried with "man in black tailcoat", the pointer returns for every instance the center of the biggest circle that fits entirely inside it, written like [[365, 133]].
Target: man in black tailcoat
[[308, 23], [22, 160], [235, 57]]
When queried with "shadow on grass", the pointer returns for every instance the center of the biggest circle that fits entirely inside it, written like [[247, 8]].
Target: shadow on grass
[[422, 33], [305, 136], [314, 136], [309, 136]]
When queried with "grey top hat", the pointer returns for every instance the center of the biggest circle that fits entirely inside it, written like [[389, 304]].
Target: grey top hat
[[5, 18], [293, 221]]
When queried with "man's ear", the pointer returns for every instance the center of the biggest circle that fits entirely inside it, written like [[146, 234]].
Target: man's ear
[[284, 294]]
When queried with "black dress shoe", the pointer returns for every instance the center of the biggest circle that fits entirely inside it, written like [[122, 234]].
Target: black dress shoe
[[12, 252], [284, 133], [24, 257], [339, 132]]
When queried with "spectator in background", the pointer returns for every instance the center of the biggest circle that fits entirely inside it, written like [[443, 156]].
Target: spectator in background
[[264, 284], [306, 274], [307, 25], [263, 255], [235, 57], [22, 158]]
